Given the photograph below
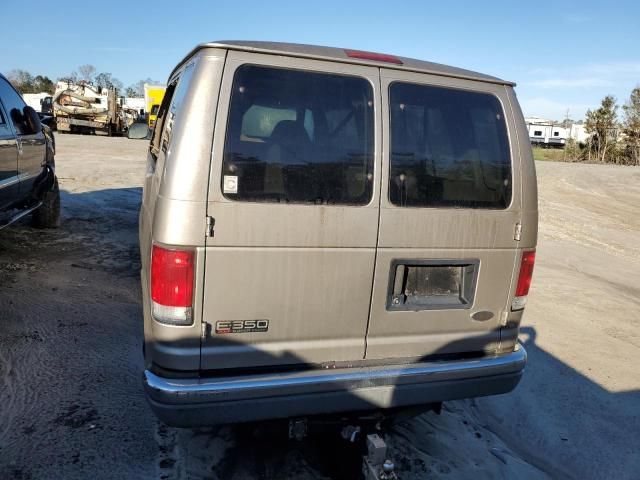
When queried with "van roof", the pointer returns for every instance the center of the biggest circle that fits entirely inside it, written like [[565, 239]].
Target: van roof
[[342, 55]]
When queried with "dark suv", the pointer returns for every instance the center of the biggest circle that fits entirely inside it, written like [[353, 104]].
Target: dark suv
[[28, 182]]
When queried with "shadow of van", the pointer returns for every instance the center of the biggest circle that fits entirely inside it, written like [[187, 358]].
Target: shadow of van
[[257, 448], [517, 434], [566, 422]]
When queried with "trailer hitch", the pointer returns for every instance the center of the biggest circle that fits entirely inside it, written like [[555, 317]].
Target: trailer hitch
[[375, 464]]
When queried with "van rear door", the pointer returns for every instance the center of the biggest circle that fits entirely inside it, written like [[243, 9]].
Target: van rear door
[[289, 267], [450, 203]]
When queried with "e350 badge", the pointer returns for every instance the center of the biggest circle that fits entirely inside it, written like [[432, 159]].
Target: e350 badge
[[242, 326]]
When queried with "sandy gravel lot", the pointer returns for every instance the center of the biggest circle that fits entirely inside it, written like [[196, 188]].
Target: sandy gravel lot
[[72, 407]]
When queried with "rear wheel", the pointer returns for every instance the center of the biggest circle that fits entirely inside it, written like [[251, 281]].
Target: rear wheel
[[48, 215], [105, 132]]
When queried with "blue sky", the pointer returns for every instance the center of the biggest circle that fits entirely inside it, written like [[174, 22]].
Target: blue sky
[[563, 55]]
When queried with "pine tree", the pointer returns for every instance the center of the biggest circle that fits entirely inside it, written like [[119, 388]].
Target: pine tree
[[601, 124]]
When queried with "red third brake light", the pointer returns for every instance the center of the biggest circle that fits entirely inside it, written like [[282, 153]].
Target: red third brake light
[[172, 277], [376, 57], [526, 272]]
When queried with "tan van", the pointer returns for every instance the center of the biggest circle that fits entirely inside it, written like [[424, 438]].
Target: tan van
[[328, 230]]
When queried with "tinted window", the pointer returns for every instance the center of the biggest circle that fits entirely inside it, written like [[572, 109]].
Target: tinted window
[[5, 131], [170, 106], [302, 137], [14, 106], [449, 148]]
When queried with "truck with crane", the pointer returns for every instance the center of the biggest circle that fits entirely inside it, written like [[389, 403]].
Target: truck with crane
[[86, 108]]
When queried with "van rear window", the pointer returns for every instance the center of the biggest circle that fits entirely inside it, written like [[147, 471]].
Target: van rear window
[[449, 148], [299, 137]]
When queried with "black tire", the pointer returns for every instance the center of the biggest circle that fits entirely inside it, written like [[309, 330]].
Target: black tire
[[48, 215]]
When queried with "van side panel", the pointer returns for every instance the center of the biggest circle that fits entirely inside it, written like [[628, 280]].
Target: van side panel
[[174, 201], [529, 234]]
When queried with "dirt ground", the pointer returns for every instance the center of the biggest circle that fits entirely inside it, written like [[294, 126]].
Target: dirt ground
[[71, 402]]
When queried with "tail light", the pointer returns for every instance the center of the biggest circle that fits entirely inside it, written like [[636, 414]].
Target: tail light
[[524, 280], [172, 274]]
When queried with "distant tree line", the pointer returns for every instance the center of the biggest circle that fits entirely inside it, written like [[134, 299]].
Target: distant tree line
[[613, 133], [613, 139], [24, 82]]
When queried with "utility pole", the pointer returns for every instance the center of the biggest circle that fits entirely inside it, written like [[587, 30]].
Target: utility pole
[[566, 142]]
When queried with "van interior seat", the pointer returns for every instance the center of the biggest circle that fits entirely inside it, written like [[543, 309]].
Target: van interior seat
[[355, 180], [286, 160]]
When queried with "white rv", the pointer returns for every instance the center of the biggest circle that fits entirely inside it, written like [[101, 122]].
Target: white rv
[[544, 132]]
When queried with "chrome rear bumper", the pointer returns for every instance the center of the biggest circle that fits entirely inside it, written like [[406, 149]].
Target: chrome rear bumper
[[210, 401]]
